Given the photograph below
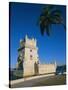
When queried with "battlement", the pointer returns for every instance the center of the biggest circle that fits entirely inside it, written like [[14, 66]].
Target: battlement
[[28, 42]]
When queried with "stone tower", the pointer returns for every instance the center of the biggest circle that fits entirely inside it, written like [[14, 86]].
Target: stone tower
[[28, 56]]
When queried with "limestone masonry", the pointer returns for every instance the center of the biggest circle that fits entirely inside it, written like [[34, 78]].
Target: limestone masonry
[[28, 59]]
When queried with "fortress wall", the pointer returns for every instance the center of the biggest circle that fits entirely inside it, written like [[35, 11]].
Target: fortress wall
[[47, 68]]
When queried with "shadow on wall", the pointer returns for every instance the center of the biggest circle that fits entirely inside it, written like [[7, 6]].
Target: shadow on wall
[[36, 68]]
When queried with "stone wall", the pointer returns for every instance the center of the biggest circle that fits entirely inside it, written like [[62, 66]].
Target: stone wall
[[28, 69], [47, 68]]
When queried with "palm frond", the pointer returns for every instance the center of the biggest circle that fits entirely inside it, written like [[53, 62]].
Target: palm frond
[[42, 27], [48, 29], [49, 16], [56, 12]]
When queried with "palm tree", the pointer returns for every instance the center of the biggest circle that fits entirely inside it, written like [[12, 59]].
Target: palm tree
[[50, 15]]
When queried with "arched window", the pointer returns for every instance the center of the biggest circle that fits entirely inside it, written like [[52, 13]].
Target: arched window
[[30, 57], [30, 50]]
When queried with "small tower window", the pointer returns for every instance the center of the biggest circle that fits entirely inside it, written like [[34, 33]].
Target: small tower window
[[30, 50], [30, 57]]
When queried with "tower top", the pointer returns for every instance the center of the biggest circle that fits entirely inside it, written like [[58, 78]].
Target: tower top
[[55, 64], [28, 42], [26, 37], [20, 40]]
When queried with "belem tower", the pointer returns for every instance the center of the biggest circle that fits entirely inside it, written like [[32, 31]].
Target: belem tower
[[28, 59]]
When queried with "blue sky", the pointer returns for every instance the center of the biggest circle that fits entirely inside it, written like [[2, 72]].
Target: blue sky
[[23, 20]]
